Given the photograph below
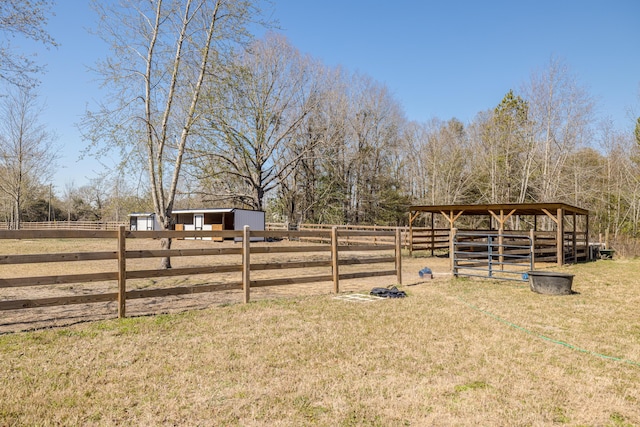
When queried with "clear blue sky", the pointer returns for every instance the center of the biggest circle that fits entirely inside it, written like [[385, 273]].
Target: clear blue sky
[[439, 58]]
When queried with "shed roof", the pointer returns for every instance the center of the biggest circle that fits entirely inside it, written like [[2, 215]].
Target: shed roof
[[517, 208], [201, 210]]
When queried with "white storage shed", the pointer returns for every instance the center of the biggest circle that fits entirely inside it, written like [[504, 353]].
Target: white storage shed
[[204, 219]]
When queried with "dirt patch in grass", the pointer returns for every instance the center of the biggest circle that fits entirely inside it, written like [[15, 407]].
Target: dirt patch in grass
[[454, 352], [55, 316]]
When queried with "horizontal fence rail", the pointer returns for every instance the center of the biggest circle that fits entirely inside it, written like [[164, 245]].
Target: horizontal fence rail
[[67, 225], [339, 243], [270, 226], [575, 246], [376, 234]]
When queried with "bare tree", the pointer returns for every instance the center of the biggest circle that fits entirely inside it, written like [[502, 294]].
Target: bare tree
[[164, 53], [373, 131], [353, 174], [505, 150], [440, 161], [562, 111], [315, 192], [22, 20], [617, 209], [253, 141], [416, 135], [27, 153]]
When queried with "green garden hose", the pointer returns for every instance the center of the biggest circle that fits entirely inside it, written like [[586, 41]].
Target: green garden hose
[[545, 338]]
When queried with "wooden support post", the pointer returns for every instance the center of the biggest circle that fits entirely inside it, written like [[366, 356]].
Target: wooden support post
[[452, 219], [122, 272], [433, 236], [334, 260], [452, 247], [560, 238], [586, 235], [532, 236], [501, 240], [399, 256], [246, 264], [411, 219], [574, 241], [501, 220]]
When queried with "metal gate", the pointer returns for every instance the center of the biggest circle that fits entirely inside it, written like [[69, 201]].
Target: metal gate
[[491, 255]]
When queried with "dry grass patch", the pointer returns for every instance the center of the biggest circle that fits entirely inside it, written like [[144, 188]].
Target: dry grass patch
[[455, 352]]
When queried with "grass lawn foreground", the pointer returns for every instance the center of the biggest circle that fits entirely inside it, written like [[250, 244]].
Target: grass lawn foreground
[[454, 352]]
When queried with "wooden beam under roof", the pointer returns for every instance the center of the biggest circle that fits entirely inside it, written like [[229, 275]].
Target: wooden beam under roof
[[484, 209]]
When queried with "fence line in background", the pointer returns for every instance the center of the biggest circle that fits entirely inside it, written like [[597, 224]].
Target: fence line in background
[[337, 246], [404, 231], [67, 225], [272, 226], [417, 239]]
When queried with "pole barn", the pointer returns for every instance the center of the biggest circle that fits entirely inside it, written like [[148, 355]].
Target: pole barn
[[560, 231]]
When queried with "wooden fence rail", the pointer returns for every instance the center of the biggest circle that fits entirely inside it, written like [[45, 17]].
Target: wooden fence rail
[[575, 246], [67, 225], [387, 235], [271, 226], [337, 245]]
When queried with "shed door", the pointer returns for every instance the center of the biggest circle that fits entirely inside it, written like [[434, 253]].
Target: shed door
[[198, 221], [146, 223]]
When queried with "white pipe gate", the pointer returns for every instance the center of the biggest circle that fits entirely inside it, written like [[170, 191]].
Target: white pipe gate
[[492, 255]]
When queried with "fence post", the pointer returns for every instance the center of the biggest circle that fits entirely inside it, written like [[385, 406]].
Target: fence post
[[122, 272], [399, 255], [246, 264], [334, 259]]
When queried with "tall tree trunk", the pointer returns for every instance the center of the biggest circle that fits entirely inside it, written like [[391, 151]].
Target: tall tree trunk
[[165, 243]]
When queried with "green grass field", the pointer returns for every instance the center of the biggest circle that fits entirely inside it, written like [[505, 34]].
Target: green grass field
[[454, 352]]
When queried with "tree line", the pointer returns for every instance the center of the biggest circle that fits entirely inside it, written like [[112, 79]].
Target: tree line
[[215, 117]]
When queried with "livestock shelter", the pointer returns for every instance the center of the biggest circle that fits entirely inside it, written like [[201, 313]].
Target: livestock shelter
[[560, 232], [203, 219]]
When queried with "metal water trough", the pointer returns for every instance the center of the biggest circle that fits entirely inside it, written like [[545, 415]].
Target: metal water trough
[[550, 282]]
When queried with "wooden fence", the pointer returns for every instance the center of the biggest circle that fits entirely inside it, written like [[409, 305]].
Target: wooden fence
[[271, 226], [575, 247], [429, 239], [364, 238], [67, 225], [337, 245]]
